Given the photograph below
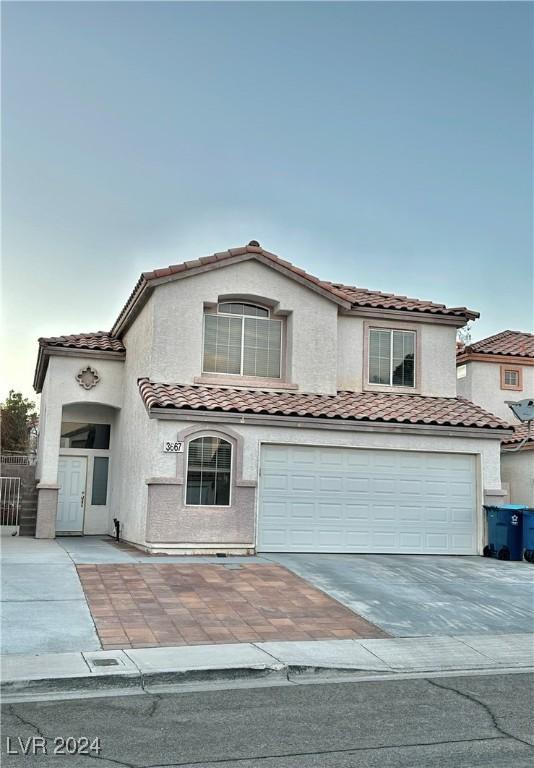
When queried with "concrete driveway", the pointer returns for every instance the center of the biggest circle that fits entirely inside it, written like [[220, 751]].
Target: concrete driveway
[[410, 595], [42, 608]]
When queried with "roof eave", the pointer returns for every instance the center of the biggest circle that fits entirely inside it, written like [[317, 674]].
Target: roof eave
[[466, 356], [413, 315], [150, 280], [40, 369], [47, 350], [188, 414]]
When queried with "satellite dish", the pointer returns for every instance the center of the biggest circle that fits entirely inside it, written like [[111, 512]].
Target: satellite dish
[[522, 409]]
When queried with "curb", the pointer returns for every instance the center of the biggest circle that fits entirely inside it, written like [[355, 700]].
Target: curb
[[137, 681], [152, 669]]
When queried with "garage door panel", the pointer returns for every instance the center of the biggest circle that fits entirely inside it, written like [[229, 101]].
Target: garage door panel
[[461, 516], [355, 460], [303, 483], [331, 483], [437, 514], [357, 512], [357, 500], [384, 513], [411, 514], [382, 485], [357, 485], [302, 511]]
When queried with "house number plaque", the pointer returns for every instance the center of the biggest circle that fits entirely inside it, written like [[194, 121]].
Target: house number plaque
[[173, 446]]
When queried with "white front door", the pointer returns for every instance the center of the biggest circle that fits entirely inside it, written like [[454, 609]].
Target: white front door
[[325, 499], [72, 471]]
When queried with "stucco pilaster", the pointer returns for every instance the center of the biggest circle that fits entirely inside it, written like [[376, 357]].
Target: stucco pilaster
[[47, 496]]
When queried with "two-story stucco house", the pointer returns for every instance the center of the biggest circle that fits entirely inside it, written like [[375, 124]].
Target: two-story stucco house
[[491, 372], [241, 404]]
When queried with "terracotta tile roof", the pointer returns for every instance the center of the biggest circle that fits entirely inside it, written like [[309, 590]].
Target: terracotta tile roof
[[100, 340], [520, 432], [353, 406], [516, 343], [361, 297], [349, 296]]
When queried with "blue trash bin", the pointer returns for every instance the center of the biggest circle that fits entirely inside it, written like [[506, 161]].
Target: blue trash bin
[[505, 532], [528, 535]]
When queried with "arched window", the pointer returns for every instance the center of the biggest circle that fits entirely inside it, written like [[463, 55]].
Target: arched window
[[209, 472], [242, 340]]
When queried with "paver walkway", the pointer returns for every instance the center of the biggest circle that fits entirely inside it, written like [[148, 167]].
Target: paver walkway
[[138, 606]]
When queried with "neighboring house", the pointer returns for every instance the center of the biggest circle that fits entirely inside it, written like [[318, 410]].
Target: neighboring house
[[241, 404], [491, 372]]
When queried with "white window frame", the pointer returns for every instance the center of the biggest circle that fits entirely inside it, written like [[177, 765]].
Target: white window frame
[[186, 483], [253, 317], [391, 331]]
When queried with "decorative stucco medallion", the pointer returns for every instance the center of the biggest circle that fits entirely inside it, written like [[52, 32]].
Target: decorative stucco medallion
[[87, 377]]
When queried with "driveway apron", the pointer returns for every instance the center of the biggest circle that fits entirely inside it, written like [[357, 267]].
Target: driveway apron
[[425, 595]]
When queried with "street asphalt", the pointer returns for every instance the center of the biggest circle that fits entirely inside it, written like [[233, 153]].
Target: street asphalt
[[484, 720]]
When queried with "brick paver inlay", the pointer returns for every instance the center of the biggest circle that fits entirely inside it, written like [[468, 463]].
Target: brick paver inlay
[[139, 606]]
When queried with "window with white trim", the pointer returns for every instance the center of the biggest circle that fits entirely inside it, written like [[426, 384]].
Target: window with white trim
[[391, 357], [209, 472], [242, 340]]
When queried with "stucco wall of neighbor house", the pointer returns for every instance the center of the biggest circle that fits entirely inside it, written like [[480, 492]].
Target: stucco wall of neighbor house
[[436, 346], [178, 323], [482, 385], [518, 472], [136, 446], [170, 521]]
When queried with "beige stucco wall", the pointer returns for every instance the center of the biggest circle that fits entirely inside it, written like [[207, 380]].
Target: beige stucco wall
[[436, 347], [482, 385], [325, 350], [137, 433], [178, 324], [60, 389], [518, 472], [168, 466]]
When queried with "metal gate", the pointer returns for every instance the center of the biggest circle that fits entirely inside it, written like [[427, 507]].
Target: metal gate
[[9, 505]]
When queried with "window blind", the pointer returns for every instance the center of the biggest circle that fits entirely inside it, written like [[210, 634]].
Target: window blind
[[246, 346]]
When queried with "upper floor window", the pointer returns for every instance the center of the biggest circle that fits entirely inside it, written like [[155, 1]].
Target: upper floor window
[[242, 340], [461, 371], [511, 377], [392, 357], [209, 470]]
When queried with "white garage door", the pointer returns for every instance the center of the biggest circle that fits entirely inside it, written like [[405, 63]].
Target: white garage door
[[356, 500]]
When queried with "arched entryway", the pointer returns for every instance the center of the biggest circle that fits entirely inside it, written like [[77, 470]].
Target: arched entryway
[[85, 468]]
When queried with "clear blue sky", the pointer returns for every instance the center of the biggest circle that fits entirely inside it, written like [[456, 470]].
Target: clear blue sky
[[383, 144]]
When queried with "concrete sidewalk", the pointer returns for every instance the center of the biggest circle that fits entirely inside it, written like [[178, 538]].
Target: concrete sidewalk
[[43, 608], [148, 668]]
